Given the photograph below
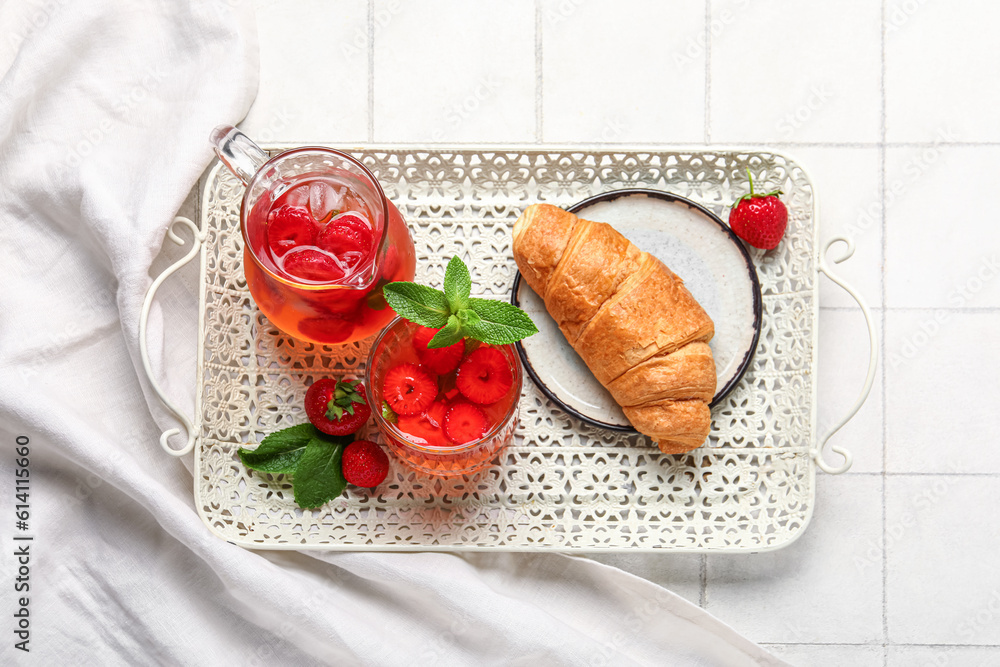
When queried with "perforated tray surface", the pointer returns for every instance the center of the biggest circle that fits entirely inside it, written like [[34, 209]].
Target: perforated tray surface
[[562, 485]]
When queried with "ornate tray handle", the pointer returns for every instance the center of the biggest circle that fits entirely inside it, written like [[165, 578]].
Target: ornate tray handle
[[199, 237], [824, 268]]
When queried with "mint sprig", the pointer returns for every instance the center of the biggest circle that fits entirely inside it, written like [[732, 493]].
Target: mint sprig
[[457, 285], [318, 477], [457, 314], [309, 455], [418, 303], [449, 335], [280, 452], [498, 323]]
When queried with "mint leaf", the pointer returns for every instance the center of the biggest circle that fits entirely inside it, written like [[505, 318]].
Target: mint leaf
[[449, 335], [318, 477], [457, 284], [280, 452], [469, 318], [500, 323], [457, 314], [389, 414], [424, 305]]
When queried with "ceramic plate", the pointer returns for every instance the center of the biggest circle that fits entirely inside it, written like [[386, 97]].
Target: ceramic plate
[[698, 247]]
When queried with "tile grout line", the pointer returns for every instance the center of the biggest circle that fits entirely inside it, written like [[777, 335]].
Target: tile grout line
[[708, 71], [538, 71], [882, 179], [703, 580], [371, 71]]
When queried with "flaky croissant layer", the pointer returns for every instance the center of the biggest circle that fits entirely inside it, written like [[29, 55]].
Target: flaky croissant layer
[[630, 318]]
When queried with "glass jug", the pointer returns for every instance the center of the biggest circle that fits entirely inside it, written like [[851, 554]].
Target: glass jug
[[320, 239]]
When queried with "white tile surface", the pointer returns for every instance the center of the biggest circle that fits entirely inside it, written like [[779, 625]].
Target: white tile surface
[[675, 572], [847, 182], [943, 536], [823, 588], [313, 76], [843, 363], [941, 377], [828, 655], [449, 71], [629, 71], [944, 656], [454, 71], [942, 69], [802, 71], [943, 244]]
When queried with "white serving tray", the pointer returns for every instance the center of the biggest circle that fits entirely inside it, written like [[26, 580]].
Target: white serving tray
[[562, 485]]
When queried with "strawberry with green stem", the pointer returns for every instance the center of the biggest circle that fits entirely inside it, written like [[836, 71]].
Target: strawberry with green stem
[[337, 407], [759, 219]]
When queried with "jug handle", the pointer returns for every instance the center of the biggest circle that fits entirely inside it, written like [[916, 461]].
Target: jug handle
[[243, 157]]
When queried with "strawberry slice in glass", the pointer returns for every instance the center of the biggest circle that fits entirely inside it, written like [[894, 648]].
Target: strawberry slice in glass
[[355, 221], [346, 233], [313, 265], [289, 227], [442, 360], [428, 426], [464, 423], [484, 377]]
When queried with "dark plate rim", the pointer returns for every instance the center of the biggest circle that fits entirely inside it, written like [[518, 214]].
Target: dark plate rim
[[758, 302]]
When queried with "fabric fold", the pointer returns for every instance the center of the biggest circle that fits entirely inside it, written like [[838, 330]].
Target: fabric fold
[[105, 112]]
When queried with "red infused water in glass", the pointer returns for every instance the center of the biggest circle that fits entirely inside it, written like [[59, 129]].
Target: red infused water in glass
[[454, 408], [320, 239], [318, 255]]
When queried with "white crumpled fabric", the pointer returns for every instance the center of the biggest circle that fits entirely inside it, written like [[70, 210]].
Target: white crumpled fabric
[[105, 112]]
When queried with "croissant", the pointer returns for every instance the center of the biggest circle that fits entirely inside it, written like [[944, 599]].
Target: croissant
[[630, 318]]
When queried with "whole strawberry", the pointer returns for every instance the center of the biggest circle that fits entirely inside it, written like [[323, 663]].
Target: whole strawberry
[[364, 464], [337, 408], [759, 219]]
